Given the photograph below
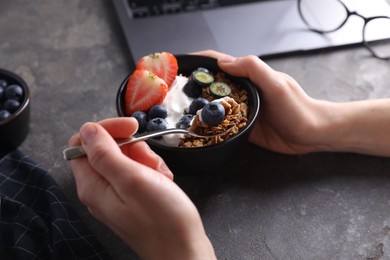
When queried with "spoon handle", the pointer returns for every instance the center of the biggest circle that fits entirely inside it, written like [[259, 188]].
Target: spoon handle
[[77, 151]]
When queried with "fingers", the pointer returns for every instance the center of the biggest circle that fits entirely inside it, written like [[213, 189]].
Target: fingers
[[120, 127], [253, 68], [106, 158], [258, 72], [142, 153], [212, 54], [249, 67], [123, 128], [100, 148]]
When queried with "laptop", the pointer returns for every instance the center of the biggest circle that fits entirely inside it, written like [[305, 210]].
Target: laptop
[[238, 27]]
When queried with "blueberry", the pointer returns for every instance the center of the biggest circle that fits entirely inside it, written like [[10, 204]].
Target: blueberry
[[1, 92], [156, 124], [197, 104], [142, 119], [4, 114], [213, 113], [14, 91], [3, 83], [157, 111], [185, 121], [192, 89], [203, 69], [11, 105]]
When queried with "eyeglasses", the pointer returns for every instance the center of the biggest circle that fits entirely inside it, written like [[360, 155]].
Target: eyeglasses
[[326, 16]]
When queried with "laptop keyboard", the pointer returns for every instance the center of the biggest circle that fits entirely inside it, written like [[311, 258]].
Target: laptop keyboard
[[146, 8]]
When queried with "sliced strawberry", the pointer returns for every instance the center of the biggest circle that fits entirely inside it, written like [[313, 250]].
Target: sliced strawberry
[[163, 64], [144, 89]]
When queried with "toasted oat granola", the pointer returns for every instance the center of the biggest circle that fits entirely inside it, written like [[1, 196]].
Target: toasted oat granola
[[236, 112]]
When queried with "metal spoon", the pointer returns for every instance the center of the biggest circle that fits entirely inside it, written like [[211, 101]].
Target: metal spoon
[[77, 151]]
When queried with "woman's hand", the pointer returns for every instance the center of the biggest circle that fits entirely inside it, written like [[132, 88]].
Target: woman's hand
[[130, 189], [289, 119], [292, 122]]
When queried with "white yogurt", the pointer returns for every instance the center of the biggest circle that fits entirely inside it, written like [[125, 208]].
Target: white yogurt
[[176, 102]]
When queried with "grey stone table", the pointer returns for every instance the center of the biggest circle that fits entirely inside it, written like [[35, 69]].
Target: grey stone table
[[263, 205]]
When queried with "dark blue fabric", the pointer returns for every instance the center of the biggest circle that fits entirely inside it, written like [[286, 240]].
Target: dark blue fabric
[[36, 220]]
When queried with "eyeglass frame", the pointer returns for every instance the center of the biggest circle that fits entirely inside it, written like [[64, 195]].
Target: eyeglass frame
[[349, 14]]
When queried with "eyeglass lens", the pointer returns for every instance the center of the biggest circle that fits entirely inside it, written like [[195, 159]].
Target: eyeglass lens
[[328, 16], [323, 16], [377, 37]]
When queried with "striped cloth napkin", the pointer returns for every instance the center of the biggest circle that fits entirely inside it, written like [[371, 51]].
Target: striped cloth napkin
[[36, 220]]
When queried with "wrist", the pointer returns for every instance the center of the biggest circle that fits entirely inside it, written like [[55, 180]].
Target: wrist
[[357, 126], [188, 241], [331, 128], [320, 129], [199, 248]]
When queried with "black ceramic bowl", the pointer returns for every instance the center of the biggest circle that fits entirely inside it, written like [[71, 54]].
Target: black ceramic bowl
[[14, 129], [200, 160]]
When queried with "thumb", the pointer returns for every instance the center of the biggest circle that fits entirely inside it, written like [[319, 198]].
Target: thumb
[[105, 156]]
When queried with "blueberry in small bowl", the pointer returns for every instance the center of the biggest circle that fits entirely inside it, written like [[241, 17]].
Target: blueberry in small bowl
[[14, 111], [213, 107]]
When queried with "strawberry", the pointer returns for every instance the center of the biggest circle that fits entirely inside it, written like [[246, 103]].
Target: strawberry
[[144, 90], [163, 64]]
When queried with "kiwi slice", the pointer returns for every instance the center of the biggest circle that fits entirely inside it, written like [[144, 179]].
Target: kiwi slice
[[220, 89], [202, 77]]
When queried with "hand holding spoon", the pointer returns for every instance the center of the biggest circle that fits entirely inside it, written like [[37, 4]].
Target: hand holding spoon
[[77, 151]]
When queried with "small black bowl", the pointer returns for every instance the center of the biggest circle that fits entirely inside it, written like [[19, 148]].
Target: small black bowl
[[200, 160], [14, 129]]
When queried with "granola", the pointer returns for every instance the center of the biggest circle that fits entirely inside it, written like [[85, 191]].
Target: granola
[[236, 112]]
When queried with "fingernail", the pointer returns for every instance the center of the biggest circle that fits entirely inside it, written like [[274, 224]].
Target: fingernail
[[87, 132], [164, 167], [226, 59]]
